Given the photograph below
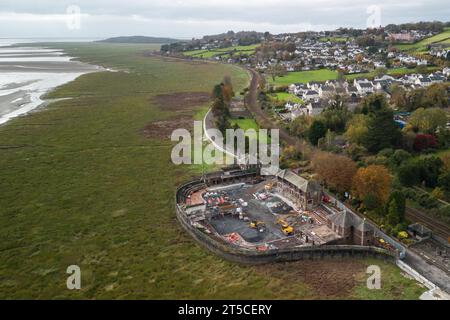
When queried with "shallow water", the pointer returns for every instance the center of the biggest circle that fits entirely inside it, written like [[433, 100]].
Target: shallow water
[[27, 73]]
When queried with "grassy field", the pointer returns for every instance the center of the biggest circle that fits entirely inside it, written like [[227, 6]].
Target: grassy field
[[245, 124], [304, 77], [323, 75], [421, 46], [87, 182], [223, 52], [286, 97]]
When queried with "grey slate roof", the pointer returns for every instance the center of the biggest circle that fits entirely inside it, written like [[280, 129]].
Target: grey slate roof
[[301, 183]]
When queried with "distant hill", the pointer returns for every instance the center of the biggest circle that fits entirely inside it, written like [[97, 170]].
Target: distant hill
[[140, 39]]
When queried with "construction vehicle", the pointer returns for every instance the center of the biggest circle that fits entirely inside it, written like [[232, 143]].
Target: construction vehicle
[[259, 225], [285, 227]]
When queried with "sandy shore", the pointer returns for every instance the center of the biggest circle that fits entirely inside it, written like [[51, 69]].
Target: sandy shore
[[26, 74]]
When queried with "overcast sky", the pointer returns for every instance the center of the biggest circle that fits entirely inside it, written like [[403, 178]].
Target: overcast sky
[[195, 18]]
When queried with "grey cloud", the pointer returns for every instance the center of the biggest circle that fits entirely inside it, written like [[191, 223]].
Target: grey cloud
[[113, 17]]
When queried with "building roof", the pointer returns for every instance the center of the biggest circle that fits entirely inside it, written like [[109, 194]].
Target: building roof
[[301, 183], [420, 229], [346, 219], [343, 219], [365, 85]]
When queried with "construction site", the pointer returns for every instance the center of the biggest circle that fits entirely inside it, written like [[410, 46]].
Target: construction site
[[277, 211]]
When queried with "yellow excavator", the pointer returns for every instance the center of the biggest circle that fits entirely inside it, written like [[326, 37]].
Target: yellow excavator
[[285, 227], [259, 225]]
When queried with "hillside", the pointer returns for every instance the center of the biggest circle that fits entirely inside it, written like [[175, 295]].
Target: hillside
[[139, 39], [422, 46]]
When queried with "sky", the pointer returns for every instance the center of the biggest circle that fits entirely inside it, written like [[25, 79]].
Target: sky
[[185, 19]]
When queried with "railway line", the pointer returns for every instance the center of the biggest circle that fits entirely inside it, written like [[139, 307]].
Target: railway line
[[439, 228]]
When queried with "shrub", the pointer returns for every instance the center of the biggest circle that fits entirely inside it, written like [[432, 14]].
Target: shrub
[[398, 157], [409, 174], [425, 141], [427, 201], [444, 181]]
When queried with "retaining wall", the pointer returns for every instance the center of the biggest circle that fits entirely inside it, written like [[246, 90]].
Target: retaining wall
[[239, 254]]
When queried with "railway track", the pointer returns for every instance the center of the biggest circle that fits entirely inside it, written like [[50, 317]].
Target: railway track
[[439, 228], [414, 215]]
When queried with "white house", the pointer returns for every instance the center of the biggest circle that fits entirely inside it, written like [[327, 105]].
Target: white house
[[364, 87], [446, 71]]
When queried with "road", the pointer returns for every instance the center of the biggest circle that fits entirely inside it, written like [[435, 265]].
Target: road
[[261, 117]]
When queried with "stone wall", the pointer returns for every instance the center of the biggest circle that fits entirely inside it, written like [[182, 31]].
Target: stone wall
[[238, 254]]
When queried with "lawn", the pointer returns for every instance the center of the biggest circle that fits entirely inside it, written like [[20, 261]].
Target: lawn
[[245, 124], [84, 183], [286, 97], [304, 77]]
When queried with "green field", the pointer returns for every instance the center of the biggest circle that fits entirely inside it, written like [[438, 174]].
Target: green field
[[286, 97], [245, 124], [83, 183], [222, 52], [304, 77], [421, 46]]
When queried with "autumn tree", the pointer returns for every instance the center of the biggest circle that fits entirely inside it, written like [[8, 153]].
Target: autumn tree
[[276, 70], [436, 96], [222, 95], [336, 171], [399, 97], [227, 90], [373, 181], [300, 126], [428, 120], [357, 129]]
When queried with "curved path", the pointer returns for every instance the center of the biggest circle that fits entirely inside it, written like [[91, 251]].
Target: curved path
[[261, 117]]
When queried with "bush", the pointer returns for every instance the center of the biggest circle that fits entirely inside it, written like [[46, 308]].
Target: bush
[[371, 202], [425, 141], [409, 174], [424, 169], [444, 181], [398, 157], [388, 152], [410, 193], [427, 201]]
